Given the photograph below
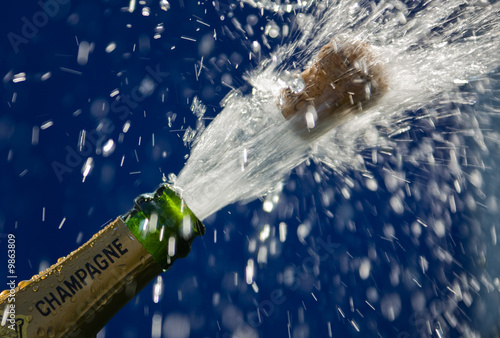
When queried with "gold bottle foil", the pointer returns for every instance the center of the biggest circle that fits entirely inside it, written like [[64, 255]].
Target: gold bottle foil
[[77, 296]]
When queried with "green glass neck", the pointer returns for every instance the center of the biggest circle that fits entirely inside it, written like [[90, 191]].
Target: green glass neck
[[164, 225]]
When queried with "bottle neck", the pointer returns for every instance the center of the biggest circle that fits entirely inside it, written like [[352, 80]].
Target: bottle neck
[[83, 291], [77, 296], [164, 225]]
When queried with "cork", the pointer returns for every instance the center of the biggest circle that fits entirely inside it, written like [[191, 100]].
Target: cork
[[344, 80]]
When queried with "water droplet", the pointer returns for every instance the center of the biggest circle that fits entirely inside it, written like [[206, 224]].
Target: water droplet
[[272, 30], [35, 288], [146, 11], [172, 178], [40, 332], [160, 28], [51, 332], [297, 85], [164, 5], [29, 318], [256, 47], [364, 269]]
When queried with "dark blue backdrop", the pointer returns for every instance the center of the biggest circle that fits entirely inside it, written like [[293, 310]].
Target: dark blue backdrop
[[309, 287]]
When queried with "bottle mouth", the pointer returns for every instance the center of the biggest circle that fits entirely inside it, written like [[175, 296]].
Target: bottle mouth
[[166, 188], [162, 199], [164, 225]]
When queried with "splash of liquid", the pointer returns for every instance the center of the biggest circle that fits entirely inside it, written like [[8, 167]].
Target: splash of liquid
[[427, 48], [243, 153]]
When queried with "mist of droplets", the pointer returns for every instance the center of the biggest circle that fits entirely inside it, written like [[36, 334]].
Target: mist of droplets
[[423, 148], [426, 49]]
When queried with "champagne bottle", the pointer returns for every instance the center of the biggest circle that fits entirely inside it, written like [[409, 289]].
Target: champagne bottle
[[79, 294]]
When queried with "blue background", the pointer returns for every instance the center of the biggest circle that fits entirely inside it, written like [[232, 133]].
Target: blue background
[[29, 184]]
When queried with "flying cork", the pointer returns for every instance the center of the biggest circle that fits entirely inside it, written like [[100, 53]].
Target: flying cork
[[344, 80]]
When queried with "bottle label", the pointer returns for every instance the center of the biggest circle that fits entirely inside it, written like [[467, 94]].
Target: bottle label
[[79, 294], [15, 326]]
